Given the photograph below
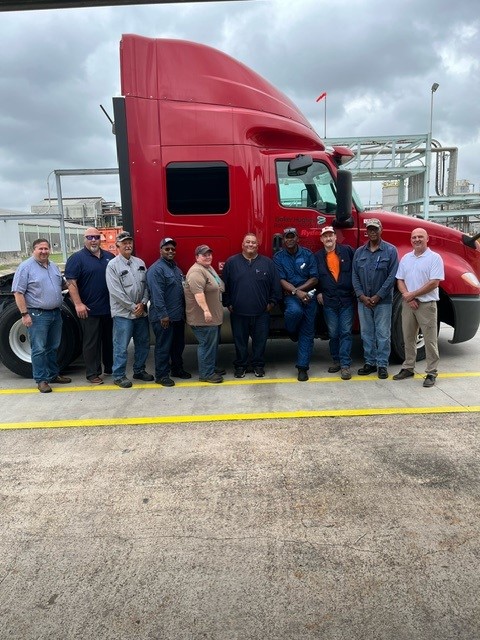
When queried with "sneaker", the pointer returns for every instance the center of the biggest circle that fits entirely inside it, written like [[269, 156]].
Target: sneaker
[[429, 380], [44, 387], [61, 380], [382, 373], [367, 369], [403, 374], [259, 372], [239, 372], [181, 373], [214, 379], [124, 382], [345, 373], [165, 381], [143, 375], [334, 368], [302, 375], [220, 371], [95, 380]]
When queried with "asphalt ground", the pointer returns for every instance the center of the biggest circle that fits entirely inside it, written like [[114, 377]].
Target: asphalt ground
[[256, 509]]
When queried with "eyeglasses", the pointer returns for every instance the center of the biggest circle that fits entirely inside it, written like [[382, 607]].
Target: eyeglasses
[[93, 237], [169, 248]]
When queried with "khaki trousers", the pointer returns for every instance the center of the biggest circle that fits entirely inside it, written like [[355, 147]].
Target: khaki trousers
[[425, 317]]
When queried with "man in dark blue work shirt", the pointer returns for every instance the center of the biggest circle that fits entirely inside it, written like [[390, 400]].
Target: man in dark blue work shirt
[[298, 275], [167, 314], [252, 287], [87, 285], [373, 274]]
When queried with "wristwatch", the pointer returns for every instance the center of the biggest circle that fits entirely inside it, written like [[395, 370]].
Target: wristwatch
[[294, 292]]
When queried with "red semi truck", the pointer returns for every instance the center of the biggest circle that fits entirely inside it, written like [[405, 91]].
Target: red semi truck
[[208, 150]]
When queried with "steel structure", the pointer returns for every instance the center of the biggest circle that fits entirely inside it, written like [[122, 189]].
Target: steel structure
[[408, 160]]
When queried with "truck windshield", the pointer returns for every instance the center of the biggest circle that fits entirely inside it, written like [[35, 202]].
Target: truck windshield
[[314, 189]]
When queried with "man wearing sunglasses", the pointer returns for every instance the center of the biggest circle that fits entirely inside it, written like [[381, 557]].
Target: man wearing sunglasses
[[87, 285], [167, 314]]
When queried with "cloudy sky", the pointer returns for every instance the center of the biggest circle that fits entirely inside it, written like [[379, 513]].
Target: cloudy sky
[[377, 61]]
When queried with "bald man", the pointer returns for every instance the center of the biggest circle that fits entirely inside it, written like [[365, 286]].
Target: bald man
[[87, 285], [418, 276]]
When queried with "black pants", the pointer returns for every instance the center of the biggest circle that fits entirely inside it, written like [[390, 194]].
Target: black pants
[[254, 327], [97, 344]]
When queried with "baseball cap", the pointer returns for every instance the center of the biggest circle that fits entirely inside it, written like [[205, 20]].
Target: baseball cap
[[327, 230], [290, 230], [165, 241], [373, 222], [124, 235], [202, 249]]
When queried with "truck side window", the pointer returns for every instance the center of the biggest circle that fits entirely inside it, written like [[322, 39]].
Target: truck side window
[[315, 189], [195, 188]]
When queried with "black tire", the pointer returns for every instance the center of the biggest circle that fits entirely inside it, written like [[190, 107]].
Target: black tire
[[15, 343], [398, 344]]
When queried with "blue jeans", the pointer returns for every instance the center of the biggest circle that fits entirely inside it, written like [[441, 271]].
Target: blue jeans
[[124, 330], [339, 323], [300, 319], [245, 327], [375, 329], [207, 349], [169, 346], [45, 336]]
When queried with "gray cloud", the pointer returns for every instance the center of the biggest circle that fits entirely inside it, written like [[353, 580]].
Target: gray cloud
[[376, 60]]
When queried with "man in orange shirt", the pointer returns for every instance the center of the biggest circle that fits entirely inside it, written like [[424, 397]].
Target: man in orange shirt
[[335, 295]]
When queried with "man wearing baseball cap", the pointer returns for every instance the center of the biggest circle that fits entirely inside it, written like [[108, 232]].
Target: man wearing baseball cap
[[335, 296], [167, 314], [374, 267], [298, 273], [127, 285]]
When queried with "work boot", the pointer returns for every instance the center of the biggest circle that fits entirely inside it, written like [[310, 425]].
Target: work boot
[[143, 375], [44, 387], [403, 374], [302, 375], [367, 369]]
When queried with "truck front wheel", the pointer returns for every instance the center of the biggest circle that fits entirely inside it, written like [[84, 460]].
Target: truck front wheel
[[15, 344], [398, 344]]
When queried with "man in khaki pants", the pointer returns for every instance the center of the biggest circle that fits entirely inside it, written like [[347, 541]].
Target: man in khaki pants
[[418, 276]]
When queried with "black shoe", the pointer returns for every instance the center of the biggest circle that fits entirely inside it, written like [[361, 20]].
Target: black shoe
[[220, 372], [214, 379], [143, 375], [259, 372], [302, 375], [61, 380], [181, 374], [124, 382], [429, 380], [367, 369], [293, 336], [165, 382], [239, 372], [382, 373], [334, 368], [403, 374]]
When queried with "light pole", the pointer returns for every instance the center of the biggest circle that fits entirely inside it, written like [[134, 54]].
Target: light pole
[[428, 158]]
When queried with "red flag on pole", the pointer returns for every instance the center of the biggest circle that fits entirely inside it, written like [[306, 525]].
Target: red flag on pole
[[321, 96]]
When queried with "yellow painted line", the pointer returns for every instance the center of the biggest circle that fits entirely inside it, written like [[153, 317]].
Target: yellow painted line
[[69, 388], [230, 417]]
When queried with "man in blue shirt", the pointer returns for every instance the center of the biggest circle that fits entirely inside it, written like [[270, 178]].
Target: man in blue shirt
[[298, 273], [167, 314], [37, 288], [87, 285], [252, 287], [374, 267]]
